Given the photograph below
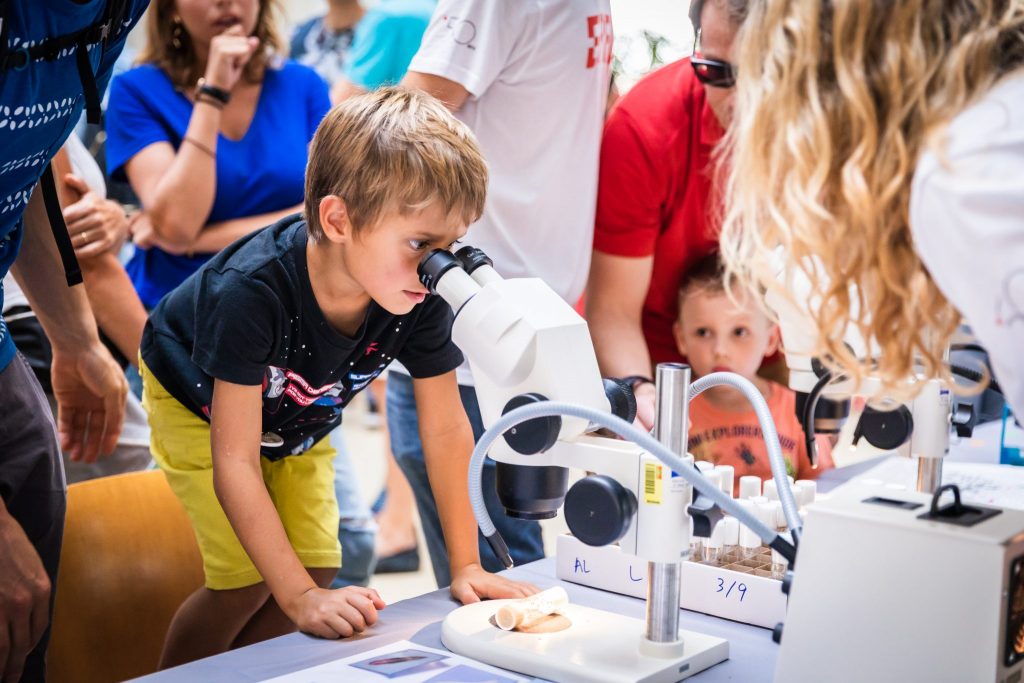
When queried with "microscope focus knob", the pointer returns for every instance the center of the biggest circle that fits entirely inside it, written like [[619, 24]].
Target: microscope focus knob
[[885, 429], [533, 436], [963, 419], [599, 509], [620, 398]]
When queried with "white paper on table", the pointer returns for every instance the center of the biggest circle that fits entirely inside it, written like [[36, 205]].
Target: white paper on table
[[999, 485], [437, 666]]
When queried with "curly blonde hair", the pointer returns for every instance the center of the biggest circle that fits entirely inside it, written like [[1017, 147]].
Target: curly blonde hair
[[835, 103], [181, 64]]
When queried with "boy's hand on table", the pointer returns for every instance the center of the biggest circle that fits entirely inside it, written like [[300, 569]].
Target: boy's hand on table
[[337, 613], [473, 583]]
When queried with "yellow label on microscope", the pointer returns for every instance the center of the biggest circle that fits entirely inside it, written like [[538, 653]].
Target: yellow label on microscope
[[652, 483]]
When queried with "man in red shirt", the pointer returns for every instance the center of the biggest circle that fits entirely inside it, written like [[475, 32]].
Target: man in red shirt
[[657, 210]]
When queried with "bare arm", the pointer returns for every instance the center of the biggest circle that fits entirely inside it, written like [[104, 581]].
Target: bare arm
[[447, 439], [111, 294], [162, 177], [451, 94], [616, 291], [178, 189], [216, 236], [238, 482], [89, 386], [119, 312]]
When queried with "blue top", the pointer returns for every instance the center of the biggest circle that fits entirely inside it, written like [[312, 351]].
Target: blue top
[[262, 172], [387, 38], [40, 106]]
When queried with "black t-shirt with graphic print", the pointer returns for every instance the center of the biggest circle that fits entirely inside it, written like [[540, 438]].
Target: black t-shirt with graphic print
[[249, 316]]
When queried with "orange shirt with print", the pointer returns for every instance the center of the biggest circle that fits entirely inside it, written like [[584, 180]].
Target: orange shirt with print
[[732, 438]]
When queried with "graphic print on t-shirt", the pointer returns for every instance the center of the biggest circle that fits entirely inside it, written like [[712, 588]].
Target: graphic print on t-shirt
[[599, 30]]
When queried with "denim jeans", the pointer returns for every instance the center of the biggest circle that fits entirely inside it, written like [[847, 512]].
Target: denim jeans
[[523, 537], [357, 530]]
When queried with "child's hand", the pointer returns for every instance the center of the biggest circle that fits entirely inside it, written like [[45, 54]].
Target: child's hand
[[337, 613], [473, 583]]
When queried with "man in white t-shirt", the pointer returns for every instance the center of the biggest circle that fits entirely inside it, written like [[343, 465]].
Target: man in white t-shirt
[[531, 80]]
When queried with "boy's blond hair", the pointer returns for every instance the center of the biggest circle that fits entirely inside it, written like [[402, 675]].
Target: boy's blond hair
[[394, 149]]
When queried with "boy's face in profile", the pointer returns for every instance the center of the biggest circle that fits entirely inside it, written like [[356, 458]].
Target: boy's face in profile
[[717, 335], [383, 258]]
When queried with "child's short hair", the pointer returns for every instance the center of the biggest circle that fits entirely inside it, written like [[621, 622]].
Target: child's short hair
[[706, 273], [394, 148]]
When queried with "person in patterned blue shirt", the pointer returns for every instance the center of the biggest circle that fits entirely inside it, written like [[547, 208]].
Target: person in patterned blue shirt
[[52, 63]]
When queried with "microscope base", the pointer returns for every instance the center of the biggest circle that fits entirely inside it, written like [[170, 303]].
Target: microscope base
[[599, 646]]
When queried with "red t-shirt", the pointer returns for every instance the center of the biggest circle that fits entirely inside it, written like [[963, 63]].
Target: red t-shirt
[[654, 187]]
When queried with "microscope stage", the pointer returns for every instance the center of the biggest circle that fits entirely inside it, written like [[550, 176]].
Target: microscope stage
[[598, 646]]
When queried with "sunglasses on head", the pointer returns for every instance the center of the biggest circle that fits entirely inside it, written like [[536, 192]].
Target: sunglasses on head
[[713, 72]]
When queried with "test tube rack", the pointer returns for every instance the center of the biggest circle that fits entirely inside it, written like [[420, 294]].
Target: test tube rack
[[740, 589]]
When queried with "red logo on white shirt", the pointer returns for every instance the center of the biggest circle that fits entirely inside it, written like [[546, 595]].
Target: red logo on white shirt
[[599, 30]]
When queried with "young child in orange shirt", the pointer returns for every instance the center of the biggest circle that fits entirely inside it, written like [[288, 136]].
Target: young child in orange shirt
[[718, 334]]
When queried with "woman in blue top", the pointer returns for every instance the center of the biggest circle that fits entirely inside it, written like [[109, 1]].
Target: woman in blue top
[[212, 132]]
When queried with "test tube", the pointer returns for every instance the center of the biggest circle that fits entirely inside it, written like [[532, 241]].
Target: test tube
[[728, 474], [750, 486], [730, 539], [750, 543], [807, 488], [778, 515], [779, 565], [714, 477], [713, 546], [704, 466], [696, 545], [770, 490], [766, 511]]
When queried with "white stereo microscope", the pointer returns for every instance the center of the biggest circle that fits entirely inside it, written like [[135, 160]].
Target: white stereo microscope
[[918, 428], [530, 351], [884, 585]]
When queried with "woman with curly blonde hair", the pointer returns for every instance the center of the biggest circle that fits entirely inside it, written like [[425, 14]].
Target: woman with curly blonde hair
[[881, 146]]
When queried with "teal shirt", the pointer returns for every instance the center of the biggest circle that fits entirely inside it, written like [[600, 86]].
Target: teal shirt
[[386, 40]]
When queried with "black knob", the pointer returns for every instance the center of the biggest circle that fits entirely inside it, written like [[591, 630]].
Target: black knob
[[599, 509], [434, 265], [963, 419], [620, 398], [533, 436], [777, 633], [787, 582], [472, 258], [885, 429]]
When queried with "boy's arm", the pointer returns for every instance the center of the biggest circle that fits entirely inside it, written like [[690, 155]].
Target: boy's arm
[[447, 446], [238, 482]]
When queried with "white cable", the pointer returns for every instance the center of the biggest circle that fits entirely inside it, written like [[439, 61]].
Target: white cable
[[623, 429], [768, 433]]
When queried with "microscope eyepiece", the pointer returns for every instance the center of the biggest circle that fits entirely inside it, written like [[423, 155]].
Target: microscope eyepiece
[[434, 265], [472, 258]]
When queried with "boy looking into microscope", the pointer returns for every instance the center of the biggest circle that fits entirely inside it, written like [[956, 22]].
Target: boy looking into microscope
[[249, 364]]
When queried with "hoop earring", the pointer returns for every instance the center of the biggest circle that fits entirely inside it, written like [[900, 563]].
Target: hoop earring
[[177, 31]]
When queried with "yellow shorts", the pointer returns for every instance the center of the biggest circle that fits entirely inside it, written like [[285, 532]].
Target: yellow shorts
[[301, 488]]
